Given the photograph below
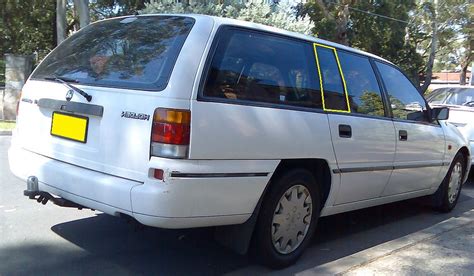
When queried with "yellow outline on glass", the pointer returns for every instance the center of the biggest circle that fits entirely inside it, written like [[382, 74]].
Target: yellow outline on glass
[[321, 79]]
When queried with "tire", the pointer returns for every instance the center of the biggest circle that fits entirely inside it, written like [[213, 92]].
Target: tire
[[445, 199], [299, 188]]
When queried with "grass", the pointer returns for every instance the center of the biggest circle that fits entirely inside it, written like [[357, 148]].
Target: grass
[[6, 125]]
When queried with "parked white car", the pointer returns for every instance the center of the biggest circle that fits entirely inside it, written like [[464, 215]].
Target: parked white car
[[183, 121], [460, 101]]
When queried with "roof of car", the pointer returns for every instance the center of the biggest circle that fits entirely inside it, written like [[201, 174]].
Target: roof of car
[[256, 26]]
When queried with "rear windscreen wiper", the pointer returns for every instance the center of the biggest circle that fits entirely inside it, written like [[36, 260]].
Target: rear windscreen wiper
[[65, 81]]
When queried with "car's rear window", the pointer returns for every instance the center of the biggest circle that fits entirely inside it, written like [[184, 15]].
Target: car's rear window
[[132, 52]]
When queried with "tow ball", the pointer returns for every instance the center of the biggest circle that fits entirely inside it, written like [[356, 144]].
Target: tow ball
[[32, 192]]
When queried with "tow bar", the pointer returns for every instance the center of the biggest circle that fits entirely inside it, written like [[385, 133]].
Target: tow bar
[[32, 192]]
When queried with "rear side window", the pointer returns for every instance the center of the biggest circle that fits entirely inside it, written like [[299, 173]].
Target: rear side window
[[332, 85], [405, 100], [133, 52], [254, 66], [364, 92]]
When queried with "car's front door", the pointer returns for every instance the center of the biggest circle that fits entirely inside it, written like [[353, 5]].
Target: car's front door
[[420, 143], [363, 137]]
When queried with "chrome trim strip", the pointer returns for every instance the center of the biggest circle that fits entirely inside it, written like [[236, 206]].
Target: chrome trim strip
[[212, 175], [385, 168], [83, 108]]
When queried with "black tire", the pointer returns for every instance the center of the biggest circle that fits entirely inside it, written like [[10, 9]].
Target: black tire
[[263, 249], [440, 199]]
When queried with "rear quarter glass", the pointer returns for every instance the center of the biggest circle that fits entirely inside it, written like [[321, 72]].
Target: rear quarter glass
[[136, 52]]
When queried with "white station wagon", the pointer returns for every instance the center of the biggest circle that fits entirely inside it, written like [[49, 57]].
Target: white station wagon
[[181, 121]]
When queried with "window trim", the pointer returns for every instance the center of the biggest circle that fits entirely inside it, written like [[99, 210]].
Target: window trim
[[387, 111], [341, 74], [210, 56], [160, 88], [204, 74], [385, 91]]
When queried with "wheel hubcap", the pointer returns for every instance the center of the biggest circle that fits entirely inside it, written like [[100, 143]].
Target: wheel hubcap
[[291, 219], [455, 182]]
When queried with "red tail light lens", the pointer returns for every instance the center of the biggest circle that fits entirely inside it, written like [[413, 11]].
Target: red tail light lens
[[170, 134], [171, 126], [158, 174]]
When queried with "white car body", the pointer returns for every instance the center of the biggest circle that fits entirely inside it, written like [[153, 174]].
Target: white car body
[[460, 115], [234, 148]]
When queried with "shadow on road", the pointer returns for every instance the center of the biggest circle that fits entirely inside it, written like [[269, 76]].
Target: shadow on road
[[111, 245]]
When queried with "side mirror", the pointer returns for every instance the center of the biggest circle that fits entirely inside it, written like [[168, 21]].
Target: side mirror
[[440, 113]]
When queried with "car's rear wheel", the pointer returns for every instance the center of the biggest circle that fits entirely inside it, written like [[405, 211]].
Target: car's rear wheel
[[447, 195], [287, 218]]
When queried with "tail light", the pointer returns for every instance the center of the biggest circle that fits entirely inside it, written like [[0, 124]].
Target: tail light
[[170, 133]]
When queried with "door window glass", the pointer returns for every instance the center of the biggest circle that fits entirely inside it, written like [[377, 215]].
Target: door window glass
[[332, 82], [362, 87], [259, 67], [405, 100]]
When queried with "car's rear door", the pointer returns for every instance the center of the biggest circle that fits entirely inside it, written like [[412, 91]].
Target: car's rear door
[[362, 135], [420, 142]]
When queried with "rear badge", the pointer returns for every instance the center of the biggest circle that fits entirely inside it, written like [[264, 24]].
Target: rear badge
[[136, 116], [69, 95]]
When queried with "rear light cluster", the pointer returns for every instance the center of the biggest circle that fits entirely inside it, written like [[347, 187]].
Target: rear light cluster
[[170, 133]]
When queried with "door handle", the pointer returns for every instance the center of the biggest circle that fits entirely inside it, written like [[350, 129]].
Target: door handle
[[345, 131], [402, 135]]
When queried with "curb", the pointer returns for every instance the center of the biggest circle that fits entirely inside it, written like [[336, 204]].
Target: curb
[[5, 132], [370, 255]]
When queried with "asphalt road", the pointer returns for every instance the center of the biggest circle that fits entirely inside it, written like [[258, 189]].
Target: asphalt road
[[37, 239]]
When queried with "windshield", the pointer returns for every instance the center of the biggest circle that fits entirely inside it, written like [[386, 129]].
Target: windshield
[[132, 52], [453, 96]]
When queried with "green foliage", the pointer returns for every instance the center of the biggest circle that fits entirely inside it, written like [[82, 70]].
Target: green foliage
[[455, 33], [374, 34], [101, 9], [371, 103], [27, 26], [281, 16]]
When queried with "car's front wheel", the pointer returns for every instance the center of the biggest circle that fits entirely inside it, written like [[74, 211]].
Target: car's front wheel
[[287, 219], [448, 192]]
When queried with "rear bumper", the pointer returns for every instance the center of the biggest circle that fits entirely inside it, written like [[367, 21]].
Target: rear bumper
[[193, 193]]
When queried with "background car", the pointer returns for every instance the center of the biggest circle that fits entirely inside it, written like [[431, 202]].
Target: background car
[[460, 101]]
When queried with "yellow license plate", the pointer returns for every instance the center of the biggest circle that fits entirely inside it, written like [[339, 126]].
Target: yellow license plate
[[70, 127]]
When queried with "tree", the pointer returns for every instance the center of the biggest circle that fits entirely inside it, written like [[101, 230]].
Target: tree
[[61, 22], [27, 27], [331, 18], [82, 9], [441, 34], [101, 9], [378, 27], [281, 16]]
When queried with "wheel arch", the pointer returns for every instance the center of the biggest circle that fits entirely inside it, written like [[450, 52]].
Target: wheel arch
[[318, 167], [238, 237]]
